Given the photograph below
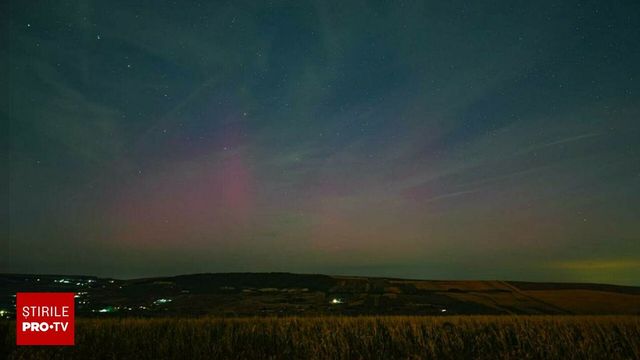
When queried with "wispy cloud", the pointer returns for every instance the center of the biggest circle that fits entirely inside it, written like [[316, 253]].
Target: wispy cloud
[[568, 140], [562, 141], [448, 195]]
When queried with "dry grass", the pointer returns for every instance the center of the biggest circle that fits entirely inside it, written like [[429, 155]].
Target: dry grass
[[469, 337]]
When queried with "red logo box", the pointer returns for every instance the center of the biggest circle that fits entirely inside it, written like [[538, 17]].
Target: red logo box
[[45, 319]]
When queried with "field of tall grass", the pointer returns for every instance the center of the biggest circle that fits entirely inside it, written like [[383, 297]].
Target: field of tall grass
[[456, 337]]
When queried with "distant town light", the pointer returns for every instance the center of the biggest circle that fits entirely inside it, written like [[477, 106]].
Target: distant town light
[[336, 301], [443, 310], [108, 309]]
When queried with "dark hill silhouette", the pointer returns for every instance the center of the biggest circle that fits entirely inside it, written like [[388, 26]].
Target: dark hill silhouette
[[250, 294]]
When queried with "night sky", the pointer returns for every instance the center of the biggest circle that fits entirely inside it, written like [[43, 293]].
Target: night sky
[[437, 140]]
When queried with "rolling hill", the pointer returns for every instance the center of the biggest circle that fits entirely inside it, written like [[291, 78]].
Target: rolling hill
[[281, 294]]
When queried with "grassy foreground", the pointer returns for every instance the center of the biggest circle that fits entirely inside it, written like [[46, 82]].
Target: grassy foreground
[[464, 337]]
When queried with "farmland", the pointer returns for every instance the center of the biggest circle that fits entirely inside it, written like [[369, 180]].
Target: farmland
[[298, 316], [286, 294]]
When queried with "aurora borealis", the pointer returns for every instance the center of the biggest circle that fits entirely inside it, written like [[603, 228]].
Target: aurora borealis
[[437, 140]]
